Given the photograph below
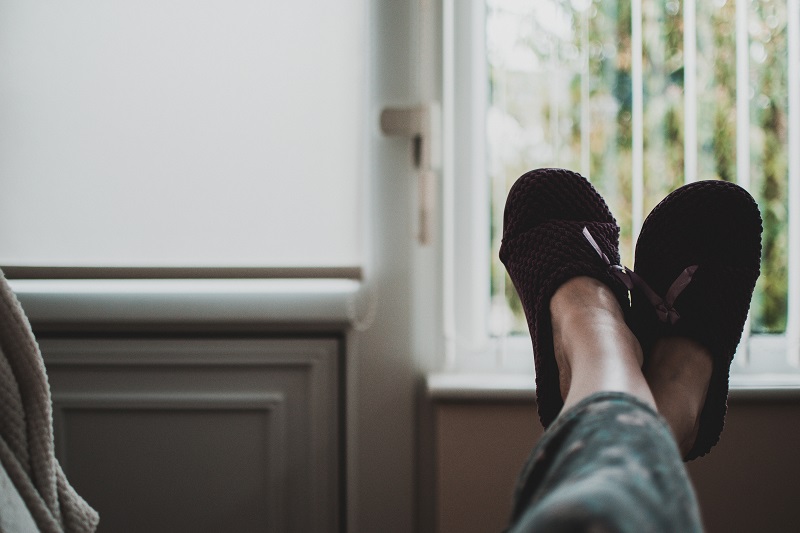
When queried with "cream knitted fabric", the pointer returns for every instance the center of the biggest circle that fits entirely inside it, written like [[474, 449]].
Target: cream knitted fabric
[[27, 451]]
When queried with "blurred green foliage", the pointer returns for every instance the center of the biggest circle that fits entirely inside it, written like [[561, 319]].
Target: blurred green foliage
[[537, 99]]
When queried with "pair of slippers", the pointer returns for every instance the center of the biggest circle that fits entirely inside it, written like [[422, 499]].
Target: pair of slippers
[[697, 262]]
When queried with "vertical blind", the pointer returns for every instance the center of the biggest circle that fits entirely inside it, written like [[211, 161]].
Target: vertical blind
[[182, 133]]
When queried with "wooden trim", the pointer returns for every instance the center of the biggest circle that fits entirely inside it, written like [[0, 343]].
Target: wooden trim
[[55, 272]]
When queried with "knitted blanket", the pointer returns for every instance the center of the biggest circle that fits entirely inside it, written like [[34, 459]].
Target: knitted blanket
[[27, 450]]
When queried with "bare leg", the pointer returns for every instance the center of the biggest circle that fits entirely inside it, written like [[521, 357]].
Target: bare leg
[[594, 348], [678, 373]]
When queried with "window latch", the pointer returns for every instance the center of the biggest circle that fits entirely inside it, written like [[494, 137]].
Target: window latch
[[422, 125]]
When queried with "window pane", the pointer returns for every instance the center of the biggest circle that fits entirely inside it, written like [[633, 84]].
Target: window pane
[[769, 113], [716, 90], [532, 61], [560, 78], [611, 108], [562, 89], [662, 32]]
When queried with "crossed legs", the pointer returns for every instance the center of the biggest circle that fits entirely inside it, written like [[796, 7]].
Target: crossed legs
[[596, 351], [608, 463]]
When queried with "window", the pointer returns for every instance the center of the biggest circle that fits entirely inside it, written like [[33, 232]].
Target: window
[[642, 96]]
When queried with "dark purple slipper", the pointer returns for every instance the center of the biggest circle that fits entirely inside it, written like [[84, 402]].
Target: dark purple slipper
[[699, 255], [545, 243]]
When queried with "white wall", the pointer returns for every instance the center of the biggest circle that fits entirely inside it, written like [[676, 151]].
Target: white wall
[[182, 133]]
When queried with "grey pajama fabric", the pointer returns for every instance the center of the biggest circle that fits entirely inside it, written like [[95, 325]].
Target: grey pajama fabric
[[610, 464]]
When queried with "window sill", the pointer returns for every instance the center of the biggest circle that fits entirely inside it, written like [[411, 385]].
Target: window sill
[[512, 387], [312, 302]]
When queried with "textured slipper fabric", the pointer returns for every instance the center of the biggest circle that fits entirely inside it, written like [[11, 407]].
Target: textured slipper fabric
[[543, 247], [715, 225]]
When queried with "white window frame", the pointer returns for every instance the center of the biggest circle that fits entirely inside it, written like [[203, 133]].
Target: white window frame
[[762, 361]]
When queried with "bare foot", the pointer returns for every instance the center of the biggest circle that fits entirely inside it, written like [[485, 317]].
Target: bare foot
[[594, 348], [678, 372]]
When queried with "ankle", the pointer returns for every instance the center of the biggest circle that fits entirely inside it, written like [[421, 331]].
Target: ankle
[[594, 348], [587, 319], [678, 372], [582, 298]]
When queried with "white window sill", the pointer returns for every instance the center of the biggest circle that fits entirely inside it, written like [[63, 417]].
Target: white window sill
[[496, 387], [264, 301], [503, 370]]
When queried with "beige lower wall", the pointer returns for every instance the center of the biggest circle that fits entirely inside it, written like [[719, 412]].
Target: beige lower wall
[[750, 482], [480, 449]]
